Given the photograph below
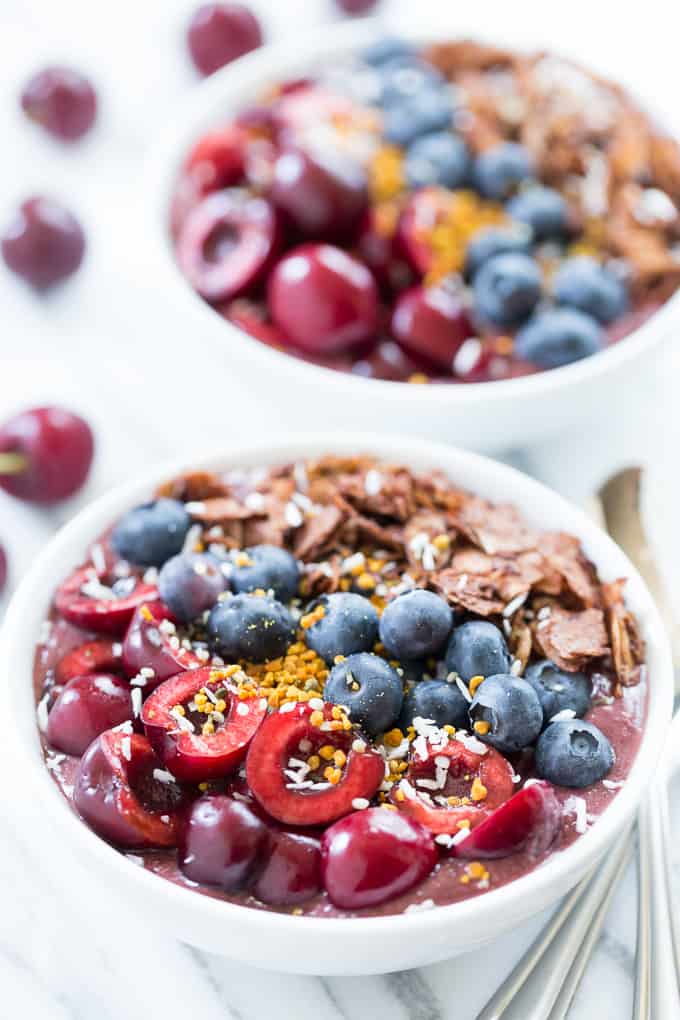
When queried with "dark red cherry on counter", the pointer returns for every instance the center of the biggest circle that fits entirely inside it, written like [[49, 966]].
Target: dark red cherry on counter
[[221, 842], [356, 6], [99, 656], [227, 242], [119, 794], [374, 855], [149, 643], [220, 33], [45, 454], [89, 601], [431, 323], [323, 299], [321, 194], [43, 243], [216, 161], [87, 706], [292, 873], [62, 101], [527, 823], [201, 743], [278, 740]]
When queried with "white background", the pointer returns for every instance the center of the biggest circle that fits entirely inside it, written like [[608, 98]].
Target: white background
[[105, 344]]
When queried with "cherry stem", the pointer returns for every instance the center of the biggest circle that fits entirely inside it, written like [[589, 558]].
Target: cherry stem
[[12, 463]]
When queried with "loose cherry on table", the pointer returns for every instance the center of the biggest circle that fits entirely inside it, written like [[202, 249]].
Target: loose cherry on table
[[528, 822], [147, 644], [62, 101], [374, 855], [99, 656], [87, 706], [292, 873], [321, 195], [219, 33], [44, 243], [120, 797], [45, 454], [278, 739], [221, 842], [107, 613], [431, 323], [187, 751]]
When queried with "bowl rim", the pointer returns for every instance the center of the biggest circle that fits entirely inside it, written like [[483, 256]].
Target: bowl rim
[[207, 105], [19, 637]]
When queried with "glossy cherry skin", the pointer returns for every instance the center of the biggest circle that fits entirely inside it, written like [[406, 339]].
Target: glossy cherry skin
[[87, 706], [378, 246], [219, 33], [292, 873], [62, 101], [431, 323], [277, 740], [424, 209], [227, 243], [527, 823], [221, 842], [118, 796], [322, 195], [44, 243], [102, 615], [53, 450], [191, 756], [374, 855], [101, 656], [145, 645], [217, 159], [387, 360], [323, 299]]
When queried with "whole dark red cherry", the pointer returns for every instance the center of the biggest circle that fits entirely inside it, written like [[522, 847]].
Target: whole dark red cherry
[[292, 873], [221, 842], [45, 454], [356, 6], [62, 101], [86, 707], [431, 322], [323, 195], [219, 33], [323, 299], [44, 243]]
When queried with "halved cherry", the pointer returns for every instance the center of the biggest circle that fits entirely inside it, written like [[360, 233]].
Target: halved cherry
[[181, 738], [88, 601], [216, 161], [424, 211], [152, 644], [87, 706], [528, 822], [99, 656], [454, 785], [119, 793], [279, 740]]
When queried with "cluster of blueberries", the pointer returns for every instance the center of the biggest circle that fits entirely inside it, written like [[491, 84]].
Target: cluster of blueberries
[[419, 108], [415, 627]]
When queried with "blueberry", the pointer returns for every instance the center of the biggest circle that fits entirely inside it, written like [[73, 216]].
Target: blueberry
[[387, 49], [402, 78], [558, 690], [490, 241], [438, 700], [427, 111], [349, 624], [152, 533], [439, 158], [190, 583], [581, 282], [251, 627], [511, 707], [542, 209], [369, 688], [507, 289], [416, 625], [269, 568], [557, 337], [499, 171], [477, 648], [573, 753]]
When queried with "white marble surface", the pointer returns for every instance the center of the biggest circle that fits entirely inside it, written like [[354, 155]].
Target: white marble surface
[[103, 345]]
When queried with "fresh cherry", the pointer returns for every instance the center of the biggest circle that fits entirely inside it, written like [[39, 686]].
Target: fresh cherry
[[217, 159], [292, 873], [227, 242], [119, 794], [45, 454], [387, 360], [356, 6], [528, 822], [322, 194], [188, 751], [374, 855], [221, 842], [44, 243], [378, 246], [432, 323], [150, 644], [424, 210], [100, 656], [219, 33], [62, 101], [87, 601], [87, 706], [323, 299]]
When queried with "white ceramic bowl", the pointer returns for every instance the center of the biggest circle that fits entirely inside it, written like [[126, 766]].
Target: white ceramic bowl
[[482, 416], [317, 945]]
